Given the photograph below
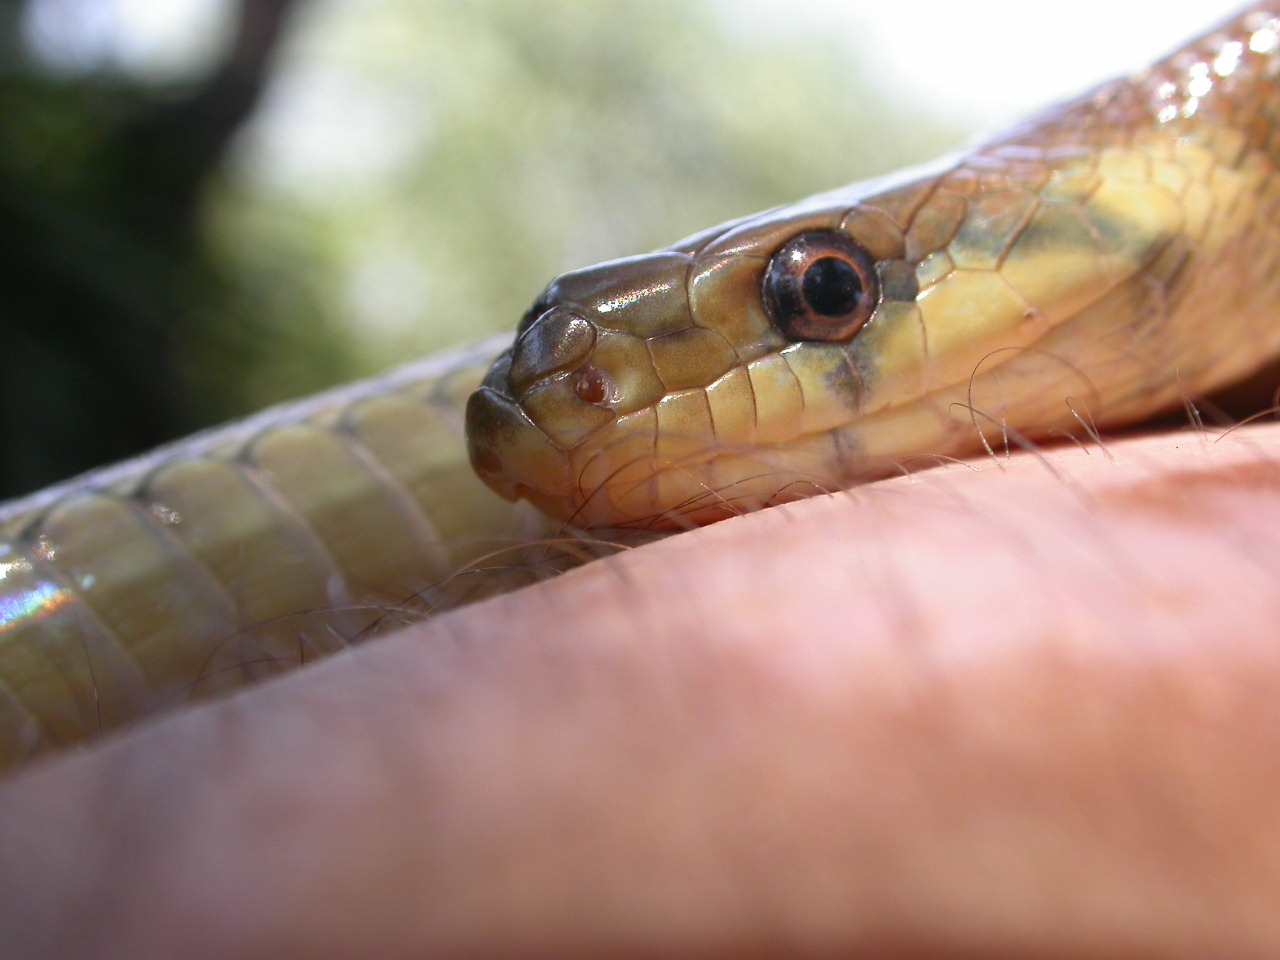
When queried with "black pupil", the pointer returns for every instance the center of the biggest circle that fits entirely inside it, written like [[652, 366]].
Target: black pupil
[[831, 287]]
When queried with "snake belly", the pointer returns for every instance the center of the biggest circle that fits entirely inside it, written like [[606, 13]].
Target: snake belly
[[1097, 263]]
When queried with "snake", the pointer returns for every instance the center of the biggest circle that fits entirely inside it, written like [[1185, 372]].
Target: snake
[[1093, 265]]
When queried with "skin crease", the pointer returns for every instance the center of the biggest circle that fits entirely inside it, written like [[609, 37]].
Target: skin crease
[[1018, 707]]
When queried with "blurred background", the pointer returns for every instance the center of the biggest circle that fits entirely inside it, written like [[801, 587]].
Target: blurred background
[[207, 206]]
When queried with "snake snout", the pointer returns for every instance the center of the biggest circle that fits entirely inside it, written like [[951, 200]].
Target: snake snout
[[571, 408], [539, 401], [506, 447]]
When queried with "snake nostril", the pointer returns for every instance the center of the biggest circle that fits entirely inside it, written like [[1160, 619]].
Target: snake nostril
[[596, 387]]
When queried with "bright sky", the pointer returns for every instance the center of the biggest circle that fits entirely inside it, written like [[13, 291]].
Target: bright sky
[[983, 60], [991, 60], [159, 37]]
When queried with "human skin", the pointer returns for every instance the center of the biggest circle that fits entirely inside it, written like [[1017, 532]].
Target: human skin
[[1025, 706]]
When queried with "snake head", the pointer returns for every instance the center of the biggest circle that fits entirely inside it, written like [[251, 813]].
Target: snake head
[[831, 341], [688, 384]]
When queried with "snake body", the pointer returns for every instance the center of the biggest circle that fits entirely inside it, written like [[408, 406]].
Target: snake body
[[1095, 264], [244, 550], [1098, 262]]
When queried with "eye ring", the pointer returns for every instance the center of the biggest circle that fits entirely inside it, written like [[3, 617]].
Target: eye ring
[[821, 285]]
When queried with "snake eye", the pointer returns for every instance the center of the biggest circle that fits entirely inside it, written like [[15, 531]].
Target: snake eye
[[820, 286]]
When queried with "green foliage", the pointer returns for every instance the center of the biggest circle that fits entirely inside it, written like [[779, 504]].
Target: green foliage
[[85, 294], [103, 266]]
